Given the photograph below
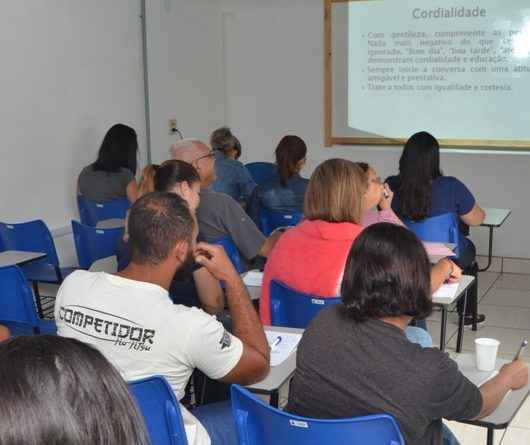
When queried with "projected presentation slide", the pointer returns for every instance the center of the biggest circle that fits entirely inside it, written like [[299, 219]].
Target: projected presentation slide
[[460, 70]]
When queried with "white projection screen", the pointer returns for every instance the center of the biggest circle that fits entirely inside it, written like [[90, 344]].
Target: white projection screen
[[460, 70]]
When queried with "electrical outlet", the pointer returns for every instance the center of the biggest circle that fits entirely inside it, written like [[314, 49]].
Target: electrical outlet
[[172, 126]]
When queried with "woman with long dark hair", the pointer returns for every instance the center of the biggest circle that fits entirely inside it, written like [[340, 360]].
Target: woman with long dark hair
[[112, 176], [285, 191], [422, 191], [59, 390]]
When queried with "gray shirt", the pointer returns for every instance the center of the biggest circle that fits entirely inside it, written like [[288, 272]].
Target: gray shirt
[[347, 369], [100, 186], [219, 215]]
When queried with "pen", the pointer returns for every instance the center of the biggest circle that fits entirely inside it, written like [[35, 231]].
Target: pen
[[276, 343], [524, 344]]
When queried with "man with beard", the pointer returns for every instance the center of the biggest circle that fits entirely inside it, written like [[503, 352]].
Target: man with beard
[[130, 318]]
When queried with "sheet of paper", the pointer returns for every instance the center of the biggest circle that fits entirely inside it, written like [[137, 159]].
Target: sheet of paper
[[446, 293], [253, 278], [437, 249], [282, 345]]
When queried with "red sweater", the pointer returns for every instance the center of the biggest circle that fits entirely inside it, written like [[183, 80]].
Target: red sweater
[[309, 258]]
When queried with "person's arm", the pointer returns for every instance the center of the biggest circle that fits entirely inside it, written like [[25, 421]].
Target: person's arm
[[4, 333], [132, 191], [209, 291], [253, 365], [513, 375], [269, 243], [444, 270], [475, 217]]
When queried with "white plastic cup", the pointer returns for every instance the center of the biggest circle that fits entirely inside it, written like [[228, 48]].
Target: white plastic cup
[[486, 353]]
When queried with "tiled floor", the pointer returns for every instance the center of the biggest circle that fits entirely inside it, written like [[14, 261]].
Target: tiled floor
[[505, 299]]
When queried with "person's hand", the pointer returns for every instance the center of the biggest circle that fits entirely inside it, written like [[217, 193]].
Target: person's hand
[[455, 274], [215, 259], [516, 373], [386, 197]]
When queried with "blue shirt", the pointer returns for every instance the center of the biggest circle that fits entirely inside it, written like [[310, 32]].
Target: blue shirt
[[449, 195], [275, 196], [232, 178]]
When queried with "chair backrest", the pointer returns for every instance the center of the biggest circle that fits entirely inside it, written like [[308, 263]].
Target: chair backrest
[[441, 229], [32, 236], [160, 409], [295, 309], [261, 172], [91, 212], [232, 252], [271, 220], [260, 424], [17, 307], [91, 244]]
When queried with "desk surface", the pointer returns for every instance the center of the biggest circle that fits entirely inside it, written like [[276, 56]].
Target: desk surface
[[495, 217], [463, 284], [112, 223], [278, 375], [506, 411], [17, 257]]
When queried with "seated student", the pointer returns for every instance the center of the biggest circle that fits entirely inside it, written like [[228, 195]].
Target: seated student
[[422, 191], [382, 212], [370, 365], [310, 257], [192, 285], [4, 333], [232, 177], [218, 214], [112, 175], [285, 191], [60, 391], [131, 320]]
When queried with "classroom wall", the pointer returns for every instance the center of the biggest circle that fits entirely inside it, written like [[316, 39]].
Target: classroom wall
[[274, 60], [185, 67], [70, 69]]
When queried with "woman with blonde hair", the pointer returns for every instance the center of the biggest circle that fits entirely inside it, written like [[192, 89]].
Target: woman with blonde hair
[[310, 257]]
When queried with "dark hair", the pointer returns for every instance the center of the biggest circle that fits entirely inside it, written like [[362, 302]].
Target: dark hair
[[157, 222], [57, 390], [237, 147], [364, 166], [419, 165], [118, 150], [290, 151], [223, 140], [173, 172], [387, 274]]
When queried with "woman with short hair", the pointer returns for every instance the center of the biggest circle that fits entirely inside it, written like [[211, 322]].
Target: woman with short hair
[[57, 390], [284, 191], [112, 176], [232, 177], [355, 358]]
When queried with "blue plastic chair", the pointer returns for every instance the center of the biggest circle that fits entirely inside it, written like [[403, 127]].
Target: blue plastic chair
[[34, 236], [232, 252], [295, 309], [17, 308], [91, 212], [260, 424], [261, 172], [91, 243], [441, 229], [160, 409], [271, 220]]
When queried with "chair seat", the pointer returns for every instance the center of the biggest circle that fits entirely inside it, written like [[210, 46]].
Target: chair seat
[[45, 273]]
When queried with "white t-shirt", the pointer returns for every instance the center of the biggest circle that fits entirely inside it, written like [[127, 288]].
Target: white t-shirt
[[139, 329]]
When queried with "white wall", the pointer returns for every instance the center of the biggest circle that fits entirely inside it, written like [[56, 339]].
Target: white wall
[[274, 59], [70, 69], [184, 44]]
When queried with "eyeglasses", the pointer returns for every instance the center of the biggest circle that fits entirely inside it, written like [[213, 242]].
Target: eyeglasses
[[211, 154]]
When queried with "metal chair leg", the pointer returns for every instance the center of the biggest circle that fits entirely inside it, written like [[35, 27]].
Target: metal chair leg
[[37, 298]]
